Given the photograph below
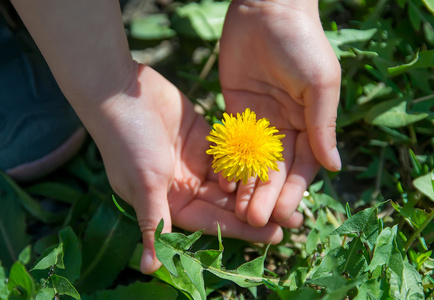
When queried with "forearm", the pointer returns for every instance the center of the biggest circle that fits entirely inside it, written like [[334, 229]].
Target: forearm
[[84, 44]]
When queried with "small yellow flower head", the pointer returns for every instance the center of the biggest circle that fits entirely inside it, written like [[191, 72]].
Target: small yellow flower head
[[245, 147]]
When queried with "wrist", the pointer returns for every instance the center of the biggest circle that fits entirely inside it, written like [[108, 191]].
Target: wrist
[[99, 101], [95, 95]]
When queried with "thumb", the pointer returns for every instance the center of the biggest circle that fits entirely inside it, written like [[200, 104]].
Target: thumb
[[321, 113], [150, 209]]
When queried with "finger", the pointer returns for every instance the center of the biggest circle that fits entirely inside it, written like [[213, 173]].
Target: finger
[[265, 196], [321, 112], [150, 210], [300, 175], [244, 194], [198, 215], [212, 193], [227, 186], [294, 221]]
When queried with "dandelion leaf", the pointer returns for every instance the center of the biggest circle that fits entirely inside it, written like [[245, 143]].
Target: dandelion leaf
[[377, 288], [393, 114], [168, 245], [107, 244], [71, 255], [4, 292], [53, 258], [63, 287], [364, 222], [389, 252], [186, 268], [46, 293], [136, 291], [12, 238], [20, 282], [407, 285], [337, 286], [349, 260], [425, 184], [342, 40]]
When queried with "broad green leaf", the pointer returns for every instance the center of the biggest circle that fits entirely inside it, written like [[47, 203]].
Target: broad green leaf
[[316, 187], [324, 200], [54, 258], [312, 241], [249, 274], [347, 37], [136, 291], [351, 259], [20, 279], [336, 286], [30, 204], [388, 252], [302, 293], [415, 216], [320, 233], [4, 292], [152, 27], [423, 59], [184, 283], [108, 243], [418, 259], [425, 185], [377, 288], [56, 191], [429, 32], [134, 262], [25, 255], [203, 20], [46, 293], [429, 4], [393, 114], [62, 286], [414, 15], [71, 255], [13, 236], [373, 91], [298, 276], [363, 223], [169, 246], [327, 265], [194, 271], [407, 285]]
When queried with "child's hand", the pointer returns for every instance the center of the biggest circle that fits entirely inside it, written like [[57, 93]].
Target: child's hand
[[276, 60], [153, 146]]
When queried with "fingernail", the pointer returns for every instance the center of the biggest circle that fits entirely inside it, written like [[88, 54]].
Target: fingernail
[[336, 159], [147, 261]]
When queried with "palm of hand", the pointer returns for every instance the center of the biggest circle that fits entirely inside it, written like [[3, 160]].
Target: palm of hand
[[156, 160], [278, 63]]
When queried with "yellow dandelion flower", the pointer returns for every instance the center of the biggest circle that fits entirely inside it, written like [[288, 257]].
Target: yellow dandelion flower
[[245, 147]]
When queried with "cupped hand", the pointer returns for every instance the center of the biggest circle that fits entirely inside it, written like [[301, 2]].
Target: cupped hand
[[276, 60], [153, 146]]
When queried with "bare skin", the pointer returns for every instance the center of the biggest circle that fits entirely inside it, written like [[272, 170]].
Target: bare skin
[[291, 76], [153, 144]]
